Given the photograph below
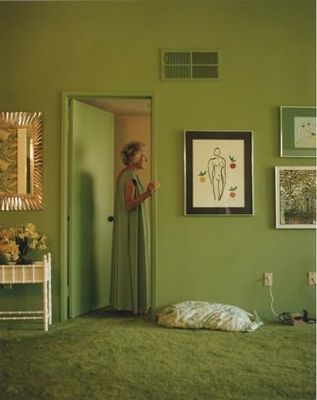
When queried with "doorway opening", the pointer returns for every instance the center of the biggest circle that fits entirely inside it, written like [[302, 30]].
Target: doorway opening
[[95, 128]]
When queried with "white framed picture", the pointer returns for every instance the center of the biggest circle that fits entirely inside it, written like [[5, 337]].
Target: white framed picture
[[298, 131], [295, 197]]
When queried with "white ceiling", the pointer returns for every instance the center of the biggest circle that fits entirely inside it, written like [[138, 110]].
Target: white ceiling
[[120, 106]]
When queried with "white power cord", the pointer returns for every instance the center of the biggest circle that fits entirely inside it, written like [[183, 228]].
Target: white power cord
[[272, 300]]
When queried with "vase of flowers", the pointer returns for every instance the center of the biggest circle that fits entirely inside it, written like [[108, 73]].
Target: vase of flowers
[[16, 243]]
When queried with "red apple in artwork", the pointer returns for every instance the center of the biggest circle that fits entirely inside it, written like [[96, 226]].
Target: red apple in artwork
[[232, 191], [232, 162]]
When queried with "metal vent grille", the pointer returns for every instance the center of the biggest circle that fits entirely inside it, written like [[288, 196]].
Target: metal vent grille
[[189, 64]]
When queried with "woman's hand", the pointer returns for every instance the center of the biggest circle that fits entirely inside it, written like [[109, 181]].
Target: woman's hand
[[152, 187]]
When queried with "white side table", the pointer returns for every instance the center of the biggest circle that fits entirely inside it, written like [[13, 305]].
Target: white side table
[[38, 272]]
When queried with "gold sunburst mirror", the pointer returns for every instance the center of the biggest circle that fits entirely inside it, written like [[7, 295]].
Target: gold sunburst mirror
[[21, 161]]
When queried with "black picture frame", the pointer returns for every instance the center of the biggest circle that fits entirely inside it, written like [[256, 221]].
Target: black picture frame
[[218, 172]]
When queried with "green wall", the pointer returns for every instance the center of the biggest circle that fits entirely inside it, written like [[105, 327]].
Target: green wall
[[268, 51]]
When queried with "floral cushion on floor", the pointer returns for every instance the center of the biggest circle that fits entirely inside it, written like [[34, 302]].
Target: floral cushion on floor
[[201, 314]]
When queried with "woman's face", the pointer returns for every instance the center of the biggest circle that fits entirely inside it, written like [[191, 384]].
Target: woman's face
[[140, 159]]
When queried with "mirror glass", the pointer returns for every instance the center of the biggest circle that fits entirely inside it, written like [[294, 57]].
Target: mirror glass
[[21, 175]]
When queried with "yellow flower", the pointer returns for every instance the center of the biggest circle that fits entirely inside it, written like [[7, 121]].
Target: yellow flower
[[30, 227], [42, 242], [9, 251], [30, 230], [7, 234]]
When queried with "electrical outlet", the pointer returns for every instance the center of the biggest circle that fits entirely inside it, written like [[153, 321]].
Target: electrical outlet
[[311, 278], [268, 279]]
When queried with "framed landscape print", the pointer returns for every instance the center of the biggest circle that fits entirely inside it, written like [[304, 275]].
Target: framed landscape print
[[295, 189], [298, 131], [218, 172]]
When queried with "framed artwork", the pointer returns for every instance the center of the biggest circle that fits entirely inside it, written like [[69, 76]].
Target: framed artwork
[[295, 189], [298, 131], [218, 172]]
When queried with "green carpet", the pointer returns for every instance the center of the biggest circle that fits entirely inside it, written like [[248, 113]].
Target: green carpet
[[106, 356]]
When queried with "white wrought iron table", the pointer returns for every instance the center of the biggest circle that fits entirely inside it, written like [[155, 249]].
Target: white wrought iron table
[[36, 273]]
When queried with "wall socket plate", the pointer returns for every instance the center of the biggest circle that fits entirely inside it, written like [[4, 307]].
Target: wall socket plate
[[267, 278], [311, 278]]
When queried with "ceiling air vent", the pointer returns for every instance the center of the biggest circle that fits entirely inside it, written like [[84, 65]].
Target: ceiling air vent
[[189, 64]]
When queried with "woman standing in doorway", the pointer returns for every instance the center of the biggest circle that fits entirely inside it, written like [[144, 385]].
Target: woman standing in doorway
[[131, 269]]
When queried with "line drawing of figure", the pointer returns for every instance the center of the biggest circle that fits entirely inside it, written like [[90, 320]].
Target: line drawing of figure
[[217, 173]]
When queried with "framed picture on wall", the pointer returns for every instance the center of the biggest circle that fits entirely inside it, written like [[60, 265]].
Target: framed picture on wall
[[218, 172], [295, 193], [298, 131]]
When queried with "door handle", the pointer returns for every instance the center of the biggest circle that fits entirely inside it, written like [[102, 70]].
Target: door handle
[[110, 218]]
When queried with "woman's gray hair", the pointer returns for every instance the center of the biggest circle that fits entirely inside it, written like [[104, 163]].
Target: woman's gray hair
[[130, 150]]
